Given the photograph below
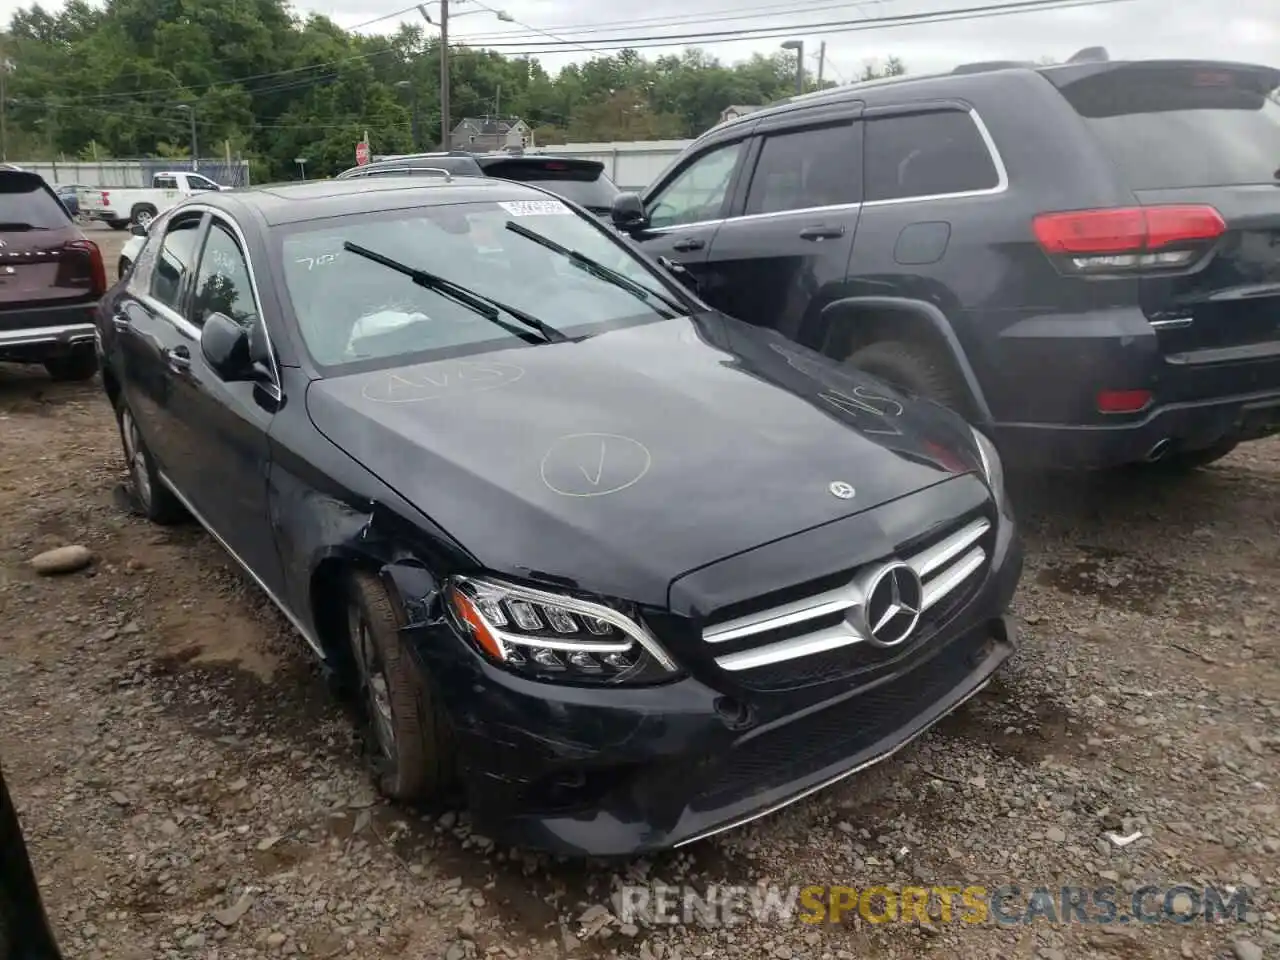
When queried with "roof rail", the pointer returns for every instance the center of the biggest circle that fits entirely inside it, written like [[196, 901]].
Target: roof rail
[[984, 66]]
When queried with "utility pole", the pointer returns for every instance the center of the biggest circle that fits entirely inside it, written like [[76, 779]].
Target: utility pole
[[497, 103], [445, 127], [4, 109], [822, 61]]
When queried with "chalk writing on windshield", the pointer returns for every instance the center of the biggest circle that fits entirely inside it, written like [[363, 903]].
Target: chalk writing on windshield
[[320, 261]]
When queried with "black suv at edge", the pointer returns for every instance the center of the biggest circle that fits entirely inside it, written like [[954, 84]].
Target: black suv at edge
[[1083, 259]]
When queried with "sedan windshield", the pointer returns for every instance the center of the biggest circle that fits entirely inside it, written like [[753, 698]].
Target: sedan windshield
[[351, 310]]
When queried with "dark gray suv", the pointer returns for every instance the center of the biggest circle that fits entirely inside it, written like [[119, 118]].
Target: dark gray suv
[[1084, 259]]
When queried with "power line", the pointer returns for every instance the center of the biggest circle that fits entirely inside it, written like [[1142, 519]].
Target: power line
[[693, 19], [826, 27]]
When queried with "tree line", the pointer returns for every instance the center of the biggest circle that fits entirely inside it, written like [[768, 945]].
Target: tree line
[[127, 78]]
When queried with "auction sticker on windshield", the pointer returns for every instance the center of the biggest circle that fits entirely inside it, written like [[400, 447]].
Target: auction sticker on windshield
[[533, 208]]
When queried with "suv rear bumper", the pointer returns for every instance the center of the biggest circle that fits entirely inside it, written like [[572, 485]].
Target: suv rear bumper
[[1161, 431], [45, 332], [1046, 373]]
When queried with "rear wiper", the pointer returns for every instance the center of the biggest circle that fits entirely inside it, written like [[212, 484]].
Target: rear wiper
[[487, 307], [596, 268]]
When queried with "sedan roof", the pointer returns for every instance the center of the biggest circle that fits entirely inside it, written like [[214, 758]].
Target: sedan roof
[[317, 199]]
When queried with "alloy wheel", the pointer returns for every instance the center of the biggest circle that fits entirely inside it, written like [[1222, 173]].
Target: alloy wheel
[[373, 681], [136, 458]]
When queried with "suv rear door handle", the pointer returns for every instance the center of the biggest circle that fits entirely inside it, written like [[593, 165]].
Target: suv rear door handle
[[179, 359], [689, 243], [822, 231]]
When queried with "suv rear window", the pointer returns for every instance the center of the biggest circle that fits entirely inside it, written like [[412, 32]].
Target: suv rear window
[[1184, 125], [27, 204], [582, 181]]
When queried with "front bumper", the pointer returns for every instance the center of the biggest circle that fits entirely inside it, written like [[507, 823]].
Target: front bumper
[[615, 772], [40, 333]]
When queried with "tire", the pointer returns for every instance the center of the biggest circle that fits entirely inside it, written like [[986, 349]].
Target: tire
[[77, 365], [117, 224], [914, 369], [142, 214], [1184, 461], [154, 500], [410, 742]]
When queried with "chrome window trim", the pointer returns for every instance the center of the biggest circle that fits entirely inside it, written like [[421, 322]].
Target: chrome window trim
[[1002, 173], [288, 614], [1002, 186], [277, 384]]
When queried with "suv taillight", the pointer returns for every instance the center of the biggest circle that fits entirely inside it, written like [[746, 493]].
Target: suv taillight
[[97, 266], [1127, 239]]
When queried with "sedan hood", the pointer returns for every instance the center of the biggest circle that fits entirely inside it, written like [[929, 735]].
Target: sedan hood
[[617, 463]]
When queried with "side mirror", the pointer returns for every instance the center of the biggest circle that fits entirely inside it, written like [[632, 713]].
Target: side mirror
[[138, 230], [627, 212], [225, 345]]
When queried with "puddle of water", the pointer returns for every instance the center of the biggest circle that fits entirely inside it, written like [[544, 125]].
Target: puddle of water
[[1114, 579]]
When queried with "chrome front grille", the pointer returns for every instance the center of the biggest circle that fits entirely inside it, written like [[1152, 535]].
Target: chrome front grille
[[824, 621]]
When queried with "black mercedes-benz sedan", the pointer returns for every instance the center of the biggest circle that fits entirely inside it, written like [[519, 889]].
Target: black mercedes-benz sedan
[[621, 571]]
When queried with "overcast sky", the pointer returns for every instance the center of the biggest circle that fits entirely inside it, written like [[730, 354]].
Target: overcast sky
[[1228, 29]]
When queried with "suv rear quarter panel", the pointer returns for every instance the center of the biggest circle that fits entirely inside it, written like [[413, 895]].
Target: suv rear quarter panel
[[1013, 314]]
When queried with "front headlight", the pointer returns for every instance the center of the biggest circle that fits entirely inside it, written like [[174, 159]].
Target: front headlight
[[992, 469], [551, 636]]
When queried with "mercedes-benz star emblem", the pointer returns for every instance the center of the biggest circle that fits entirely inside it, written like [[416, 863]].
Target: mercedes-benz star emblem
[[891, 610], [842, 490]]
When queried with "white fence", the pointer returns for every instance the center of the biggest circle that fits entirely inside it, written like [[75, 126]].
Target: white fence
[[133, 173], [632, 165]]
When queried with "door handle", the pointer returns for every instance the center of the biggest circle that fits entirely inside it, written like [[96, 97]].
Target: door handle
[[120, 321], [687, 244], [179, 359], [822, 232]]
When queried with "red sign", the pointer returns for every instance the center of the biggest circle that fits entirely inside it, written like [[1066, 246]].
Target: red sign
[[362, 153]]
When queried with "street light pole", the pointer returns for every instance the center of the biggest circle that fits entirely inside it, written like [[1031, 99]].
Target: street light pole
[[195, 147], [798, 47]]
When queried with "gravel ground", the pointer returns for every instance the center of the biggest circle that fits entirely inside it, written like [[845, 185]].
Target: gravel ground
[[190, 788]]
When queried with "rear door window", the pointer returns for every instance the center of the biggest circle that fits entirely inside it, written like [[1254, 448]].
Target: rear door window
[[1170, 126], [806, 168], [27, 204], [926, 155]]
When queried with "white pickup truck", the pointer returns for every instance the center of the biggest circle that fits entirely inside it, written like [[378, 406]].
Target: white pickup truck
[[121, 206]]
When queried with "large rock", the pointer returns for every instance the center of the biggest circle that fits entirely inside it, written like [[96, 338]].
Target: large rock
[[62, 560]]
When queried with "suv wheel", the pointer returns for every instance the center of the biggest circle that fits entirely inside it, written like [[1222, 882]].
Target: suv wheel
[[914, 369], [410, 745], [77, 365], [154, 499]]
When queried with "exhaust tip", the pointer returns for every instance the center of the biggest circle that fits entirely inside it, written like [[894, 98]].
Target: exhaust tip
[[1158, 450]]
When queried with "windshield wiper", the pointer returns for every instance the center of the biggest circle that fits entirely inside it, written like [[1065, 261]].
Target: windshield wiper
[[487, 307], [596, 268]]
